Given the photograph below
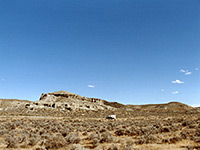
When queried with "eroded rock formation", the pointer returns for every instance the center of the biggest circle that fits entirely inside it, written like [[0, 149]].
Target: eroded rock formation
[[68, 101]]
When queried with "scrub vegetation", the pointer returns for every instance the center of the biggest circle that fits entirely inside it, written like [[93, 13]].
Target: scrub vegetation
[[134, 133]]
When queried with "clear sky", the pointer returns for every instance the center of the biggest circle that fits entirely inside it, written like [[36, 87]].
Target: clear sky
[[129, 51]]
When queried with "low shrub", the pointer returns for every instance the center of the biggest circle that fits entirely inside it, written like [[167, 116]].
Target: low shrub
[[73, 138]]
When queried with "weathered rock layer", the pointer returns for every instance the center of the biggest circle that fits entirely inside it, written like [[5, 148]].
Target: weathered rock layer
[[63, 103]]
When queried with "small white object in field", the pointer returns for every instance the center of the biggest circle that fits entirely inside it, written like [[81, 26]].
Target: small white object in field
[[111, 117]]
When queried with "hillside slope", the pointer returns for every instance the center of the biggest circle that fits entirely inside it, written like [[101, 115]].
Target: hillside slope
[[62, 103]]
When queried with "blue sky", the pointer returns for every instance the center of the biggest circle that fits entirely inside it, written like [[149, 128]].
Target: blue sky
[[129, 51]]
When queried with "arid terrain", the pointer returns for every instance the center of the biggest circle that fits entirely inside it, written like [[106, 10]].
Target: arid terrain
[[67, 121]]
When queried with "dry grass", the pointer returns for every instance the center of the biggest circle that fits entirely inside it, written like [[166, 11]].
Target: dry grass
[[136, 133]]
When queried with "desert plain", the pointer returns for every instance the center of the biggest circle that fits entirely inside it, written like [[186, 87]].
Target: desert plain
[[67, 121]]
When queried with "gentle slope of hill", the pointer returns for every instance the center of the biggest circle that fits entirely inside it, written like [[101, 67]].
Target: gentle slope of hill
[[63, 102]]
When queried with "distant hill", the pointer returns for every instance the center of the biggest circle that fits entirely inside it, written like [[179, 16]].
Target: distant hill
[[63, 102], [168, 107]]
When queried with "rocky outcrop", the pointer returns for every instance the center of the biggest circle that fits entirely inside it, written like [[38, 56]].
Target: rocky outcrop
[[69, 101], [63, 103]]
